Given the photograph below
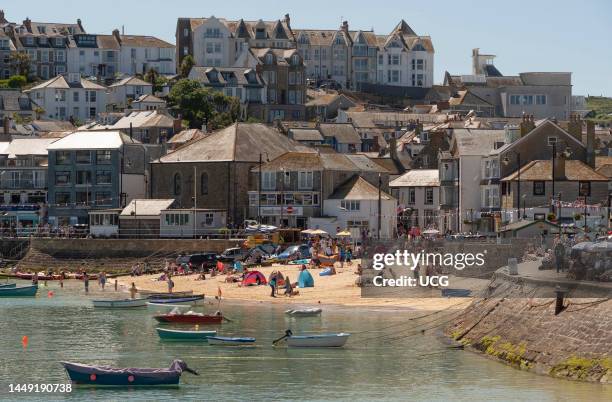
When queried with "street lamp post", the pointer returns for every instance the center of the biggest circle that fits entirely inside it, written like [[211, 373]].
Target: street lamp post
[[554, 155], [379, 204]]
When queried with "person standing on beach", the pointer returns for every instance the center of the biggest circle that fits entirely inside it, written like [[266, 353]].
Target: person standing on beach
[[273, 286], [133, 291], [170, 284], [86, 281], [102, 279]]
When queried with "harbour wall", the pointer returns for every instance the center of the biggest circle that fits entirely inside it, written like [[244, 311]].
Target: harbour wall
[[517, 325]]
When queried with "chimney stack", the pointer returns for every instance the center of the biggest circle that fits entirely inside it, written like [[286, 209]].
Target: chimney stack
[[590, 143], [288, 21], [117, 35], [393, 148], [574, 126], [28, 24], [559, 162], [527, 124], [345, 26]]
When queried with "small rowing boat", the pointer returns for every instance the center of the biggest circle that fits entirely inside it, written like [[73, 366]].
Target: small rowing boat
[[173, 295], [7, 285], [226, 341], [304, 312], [22, 291], [84, 374], [333, 340], [191, 300], [177, 335], [123, 303], [41, 276], [189, 318]]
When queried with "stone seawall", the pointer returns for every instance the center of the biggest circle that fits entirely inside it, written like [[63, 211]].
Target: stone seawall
[[111, 255], [512, 326]]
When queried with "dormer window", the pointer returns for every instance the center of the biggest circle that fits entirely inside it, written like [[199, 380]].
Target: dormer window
[[29, 40], [303, 39], [418, 48], [260, 33], [269, 58], [295, 60], [42, 30], [42, 40]]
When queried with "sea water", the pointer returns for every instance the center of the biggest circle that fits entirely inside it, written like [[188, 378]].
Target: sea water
[[386, 358]]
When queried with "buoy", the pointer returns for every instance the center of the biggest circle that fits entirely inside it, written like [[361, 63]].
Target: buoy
[[131, 378], [24, 341], [50, 294], [92, 377]]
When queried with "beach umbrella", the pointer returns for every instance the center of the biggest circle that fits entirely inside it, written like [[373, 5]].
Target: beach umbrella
[[344, 233], [431, 232], [307, 231], [318, 232]]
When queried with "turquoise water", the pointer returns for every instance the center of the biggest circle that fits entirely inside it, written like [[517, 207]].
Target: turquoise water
[[396, 363]]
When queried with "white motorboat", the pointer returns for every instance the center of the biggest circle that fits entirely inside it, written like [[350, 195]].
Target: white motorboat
[[333, 340]]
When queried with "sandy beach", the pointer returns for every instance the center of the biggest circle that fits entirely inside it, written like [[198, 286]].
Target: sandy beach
[[339, 289]]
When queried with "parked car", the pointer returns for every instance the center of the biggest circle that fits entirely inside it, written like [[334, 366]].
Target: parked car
[[199, 261], [295, 252], [233, 254]]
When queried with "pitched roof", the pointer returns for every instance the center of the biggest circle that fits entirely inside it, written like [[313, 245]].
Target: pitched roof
[[602, 160], [539, 126], [373, 119], [145, 118], [149, 98], [187, 135], [474, 142], [12, 100], [418, 178], [92, 140], [605, 170], [51, 126], [305, 134], [131, 81], [357, 188], [316, 161], [226, 75], [541, 170], [146, 207], [240, 142], [344, 133], [60, 82], [144, 41]]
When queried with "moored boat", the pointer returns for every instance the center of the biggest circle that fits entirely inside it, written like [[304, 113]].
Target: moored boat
[[41, 276], [22, 291], [123, 303], [84, 374], [227, 341], [189, 318], [191, 300], [304, 312], [7, 285], [173, 295], [178, 335], [332, 340]]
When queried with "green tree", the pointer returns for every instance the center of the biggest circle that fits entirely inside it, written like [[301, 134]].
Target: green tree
[[186, 65], [17, 81], [21, 62], [198, 105], [157, 80]]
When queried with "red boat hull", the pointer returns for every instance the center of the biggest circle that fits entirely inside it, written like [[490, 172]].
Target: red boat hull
[[27, 276], [189, 319]]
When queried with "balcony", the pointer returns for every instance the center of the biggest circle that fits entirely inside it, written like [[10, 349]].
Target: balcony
[[23, 184]]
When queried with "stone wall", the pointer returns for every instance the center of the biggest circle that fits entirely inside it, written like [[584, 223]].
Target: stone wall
[[524, 332], [135, 248]]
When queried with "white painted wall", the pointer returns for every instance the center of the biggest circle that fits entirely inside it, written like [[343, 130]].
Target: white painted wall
[[368, 212]]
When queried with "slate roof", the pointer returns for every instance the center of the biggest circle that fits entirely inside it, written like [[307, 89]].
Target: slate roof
[[131, 81], [357, 188], [344, 133], [12, 100], [474, 142], [60, 82], [247, 29], [541, 170], [226, 75], [144, 41], [186, 136], [605, 170], [145, 118], [306, 134], [240, 142], [418, 178], [317, 161]]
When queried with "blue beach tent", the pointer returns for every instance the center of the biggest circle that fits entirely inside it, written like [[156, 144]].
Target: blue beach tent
[[305, 280]]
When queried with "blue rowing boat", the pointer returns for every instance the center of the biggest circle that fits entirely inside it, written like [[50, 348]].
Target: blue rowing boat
[[84, 374], [23, 291], [7, 285]]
